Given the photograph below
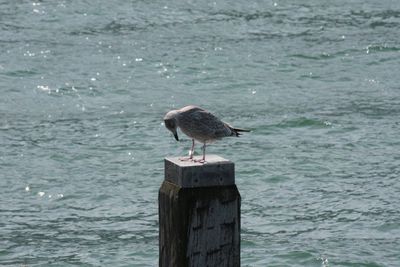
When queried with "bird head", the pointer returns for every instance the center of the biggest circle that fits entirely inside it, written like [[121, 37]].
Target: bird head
[[171, 123]]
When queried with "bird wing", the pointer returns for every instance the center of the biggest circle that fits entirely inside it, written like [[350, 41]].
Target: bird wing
[[203, 123]]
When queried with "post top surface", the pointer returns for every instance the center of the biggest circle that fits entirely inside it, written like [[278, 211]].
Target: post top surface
[[210, 159], [216, 171]]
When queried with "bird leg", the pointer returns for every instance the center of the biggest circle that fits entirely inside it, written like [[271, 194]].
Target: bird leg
[[192, 150], [203, 160], [191, 153]]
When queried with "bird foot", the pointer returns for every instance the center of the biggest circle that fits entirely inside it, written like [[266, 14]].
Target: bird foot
[[203, 161], [186, 159]]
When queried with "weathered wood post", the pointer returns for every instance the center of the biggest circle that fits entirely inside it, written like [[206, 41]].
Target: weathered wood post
[[199, 214]]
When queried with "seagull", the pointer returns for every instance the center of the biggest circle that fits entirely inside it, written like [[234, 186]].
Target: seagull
[[199, 125]]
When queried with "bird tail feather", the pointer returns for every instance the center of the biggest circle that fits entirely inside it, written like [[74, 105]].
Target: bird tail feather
[[238, 131]]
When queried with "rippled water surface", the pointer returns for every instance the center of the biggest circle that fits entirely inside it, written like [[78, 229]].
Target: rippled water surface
[[84, 86]]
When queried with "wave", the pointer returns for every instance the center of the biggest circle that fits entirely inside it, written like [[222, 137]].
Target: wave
[[302, 122]]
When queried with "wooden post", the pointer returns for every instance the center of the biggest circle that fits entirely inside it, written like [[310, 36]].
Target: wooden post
[[199, 214]]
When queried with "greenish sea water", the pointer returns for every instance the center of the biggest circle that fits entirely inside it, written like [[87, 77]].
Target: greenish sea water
[[84, 86]]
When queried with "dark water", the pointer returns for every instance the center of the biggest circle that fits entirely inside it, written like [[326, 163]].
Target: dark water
[[84, 86]]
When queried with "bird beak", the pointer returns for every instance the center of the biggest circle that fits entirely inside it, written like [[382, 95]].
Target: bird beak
[[176, 136]]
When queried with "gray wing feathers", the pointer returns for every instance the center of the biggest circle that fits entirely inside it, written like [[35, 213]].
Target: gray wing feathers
[[201, 124]]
